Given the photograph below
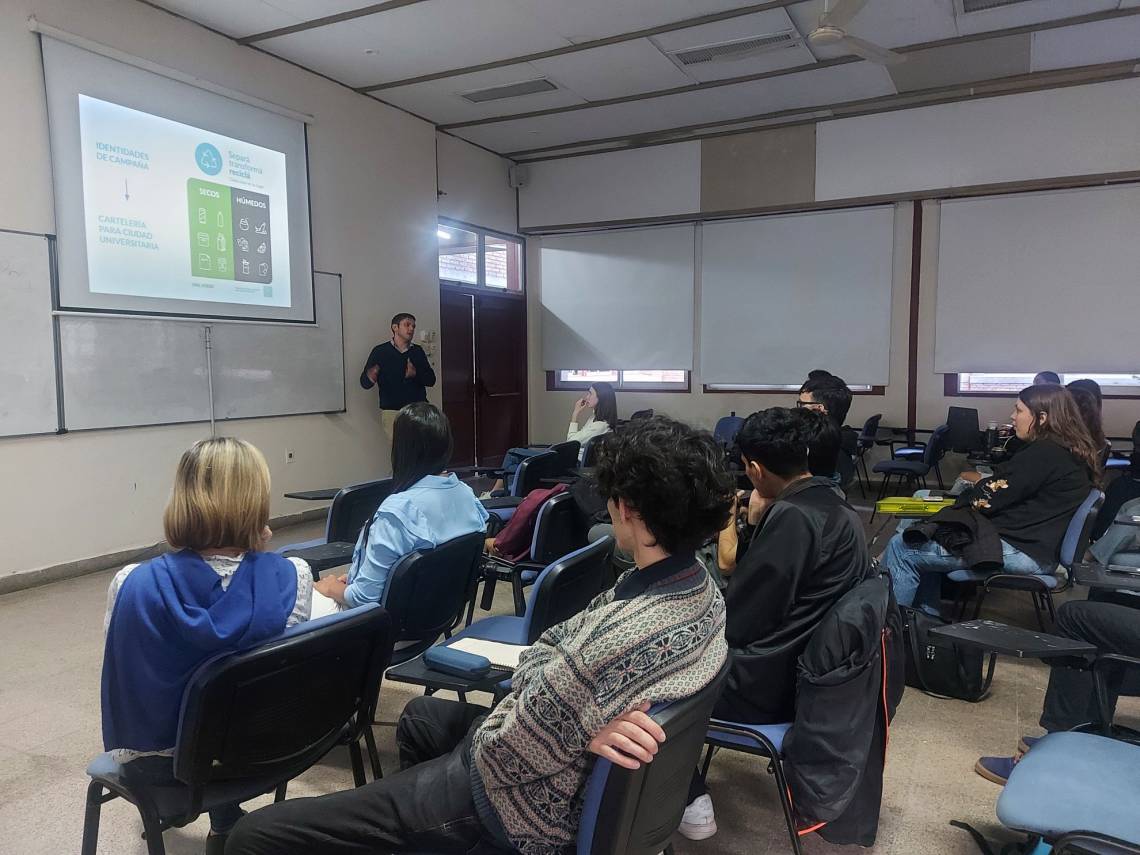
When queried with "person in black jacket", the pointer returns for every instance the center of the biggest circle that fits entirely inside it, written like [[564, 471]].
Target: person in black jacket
[[401, 369], [833, 452], [806, 551], [1030, 499]]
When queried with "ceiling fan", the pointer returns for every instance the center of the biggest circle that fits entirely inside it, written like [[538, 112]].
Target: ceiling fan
[[832, 32]]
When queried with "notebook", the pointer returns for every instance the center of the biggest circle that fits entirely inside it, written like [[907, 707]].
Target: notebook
[[501, 655]]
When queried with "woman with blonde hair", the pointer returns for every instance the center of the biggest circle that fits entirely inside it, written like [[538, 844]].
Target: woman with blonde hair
[[216, 591], [1029, 499]]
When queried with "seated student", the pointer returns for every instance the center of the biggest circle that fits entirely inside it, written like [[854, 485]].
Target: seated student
[[1046, 378], [1116, 543], [427, 506], [600, 398], [1029, 499], [807, 550], [1111, 622], [218, 591], [829, 395], [515, 775], [1087, 396]]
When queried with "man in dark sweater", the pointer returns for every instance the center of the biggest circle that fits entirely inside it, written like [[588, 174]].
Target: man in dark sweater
[[401, 369], [806, 550]]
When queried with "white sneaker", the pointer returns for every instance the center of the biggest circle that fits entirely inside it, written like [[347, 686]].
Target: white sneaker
[[698, 823]]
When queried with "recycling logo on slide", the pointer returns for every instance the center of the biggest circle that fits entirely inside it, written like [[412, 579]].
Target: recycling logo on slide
[[209, 158]]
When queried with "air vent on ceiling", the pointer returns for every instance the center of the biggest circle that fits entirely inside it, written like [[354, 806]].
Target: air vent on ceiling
[[969, 6], [734, 50], [509, 90]]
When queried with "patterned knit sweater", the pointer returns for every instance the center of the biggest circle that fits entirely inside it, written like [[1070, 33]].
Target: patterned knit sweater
[[657, 636]]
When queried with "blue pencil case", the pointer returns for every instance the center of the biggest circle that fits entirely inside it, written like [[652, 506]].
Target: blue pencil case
[[457, 663]]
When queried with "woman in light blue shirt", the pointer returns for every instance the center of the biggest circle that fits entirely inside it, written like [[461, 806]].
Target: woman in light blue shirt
[[427, 507]]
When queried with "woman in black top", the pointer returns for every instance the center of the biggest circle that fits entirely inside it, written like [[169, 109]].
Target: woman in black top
[[1029, 499]]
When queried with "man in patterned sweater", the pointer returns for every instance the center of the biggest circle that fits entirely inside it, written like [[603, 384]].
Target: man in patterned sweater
[[514, 777]]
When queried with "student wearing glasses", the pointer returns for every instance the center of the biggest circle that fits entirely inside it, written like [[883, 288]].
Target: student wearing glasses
[[825, 393]]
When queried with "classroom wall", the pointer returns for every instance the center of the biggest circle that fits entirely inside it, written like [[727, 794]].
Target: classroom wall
[[372, 174], [473, 185]]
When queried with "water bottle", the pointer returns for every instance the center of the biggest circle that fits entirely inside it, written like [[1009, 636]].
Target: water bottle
[[991, 436]]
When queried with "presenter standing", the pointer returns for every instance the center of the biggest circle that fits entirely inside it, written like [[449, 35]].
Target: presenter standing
[[401, 369]]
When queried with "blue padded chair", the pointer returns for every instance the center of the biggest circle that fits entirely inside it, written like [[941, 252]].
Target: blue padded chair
[[252, 721], [562, 589], [761, 740], [427, 592], [913, 472], [1079, 782], [1040, 586], [588, 456], [351, 508], [558, 530], [528, 476], [726, 429]]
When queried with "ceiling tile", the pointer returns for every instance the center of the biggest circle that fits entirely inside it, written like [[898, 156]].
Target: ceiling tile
[[418, 39], [584, 20], [764, 23], [1032, 12], [806, 89], [626, 68], [967, 62], [1087, 44], [889, 23], [235, 18], [440, 100]]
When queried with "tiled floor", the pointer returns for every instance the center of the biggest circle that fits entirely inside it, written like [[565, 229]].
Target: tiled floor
[[49, 728]]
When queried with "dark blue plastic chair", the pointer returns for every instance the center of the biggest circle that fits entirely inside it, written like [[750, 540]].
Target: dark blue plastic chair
[[913, 472], [866, 443], [726, 429], [254, 720], [528, 476], [1040, 586], [561, 590], [351, 508]]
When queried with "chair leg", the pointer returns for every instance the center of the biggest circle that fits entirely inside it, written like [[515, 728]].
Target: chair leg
[[373, 754], [938, 475], [786, 804], [91, 818], [279, 793], [357, 762], [707, 761], [488, 592], [152, 830], [1038, 611], [978, 602], [1048, 595]]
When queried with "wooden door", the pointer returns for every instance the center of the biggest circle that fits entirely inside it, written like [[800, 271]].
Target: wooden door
[[457, 363], [500, 375]]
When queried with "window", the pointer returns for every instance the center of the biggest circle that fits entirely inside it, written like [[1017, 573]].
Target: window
[[469, 256], [751, 387], [983, 383], [629, 380]]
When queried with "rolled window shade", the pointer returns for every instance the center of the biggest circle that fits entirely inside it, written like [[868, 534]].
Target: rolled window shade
[[619, 299], [783, 295], [1039, 281]]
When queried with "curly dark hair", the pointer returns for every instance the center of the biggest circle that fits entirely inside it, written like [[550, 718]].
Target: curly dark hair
[[781, 440], [672, 475]]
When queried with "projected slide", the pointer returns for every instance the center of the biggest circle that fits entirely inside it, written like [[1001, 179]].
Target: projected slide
[[175, 212]]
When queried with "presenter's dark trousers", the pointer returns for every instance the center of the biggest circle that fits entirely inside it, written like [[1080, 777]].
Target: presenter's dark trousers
[[426, 807], [1070, 699]]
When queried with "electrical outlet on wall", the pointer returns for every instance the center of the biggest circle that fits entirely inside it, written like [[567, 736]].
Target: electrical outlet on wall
[[290, 456]]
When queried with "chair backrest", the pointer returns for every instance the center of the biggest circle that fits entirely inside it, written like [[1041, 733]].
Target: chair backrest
[[567, 455], [566, 587], [965, 433], [935, 446], [1076, 539], [635, 812], [641, 414], [589, 453], [352, 507], [870, 431], [531, 472], [727, 427], [558, 529], [276, 709], [428, 589]]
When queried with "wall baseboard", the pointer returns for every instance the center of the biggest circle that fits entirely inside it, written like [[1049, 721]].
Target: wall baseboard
[[74, 569]]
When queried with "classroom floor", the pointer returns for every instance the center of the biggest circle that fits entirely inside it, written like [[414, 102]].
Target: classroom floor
[[49, 729]]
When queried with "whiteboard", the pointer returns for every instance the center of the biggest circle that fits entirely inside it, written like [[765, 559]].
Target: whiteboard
[[782, 295], [121, 371], [27, 344], [1031, 281]]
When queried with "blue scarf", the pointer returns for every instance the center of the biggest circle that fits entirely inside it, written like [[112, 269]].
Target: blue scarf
[[171, 615]]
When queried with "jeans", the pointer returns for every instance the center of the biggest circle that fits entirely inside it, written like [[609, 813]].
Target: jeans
[[917, 571], [426, 807], [159, 771], [1070, 699], [514, 458]]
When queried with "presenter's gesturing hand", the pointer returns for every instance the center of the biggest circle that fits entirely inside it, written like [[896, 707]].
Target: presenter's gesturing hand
[[409, 370]]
